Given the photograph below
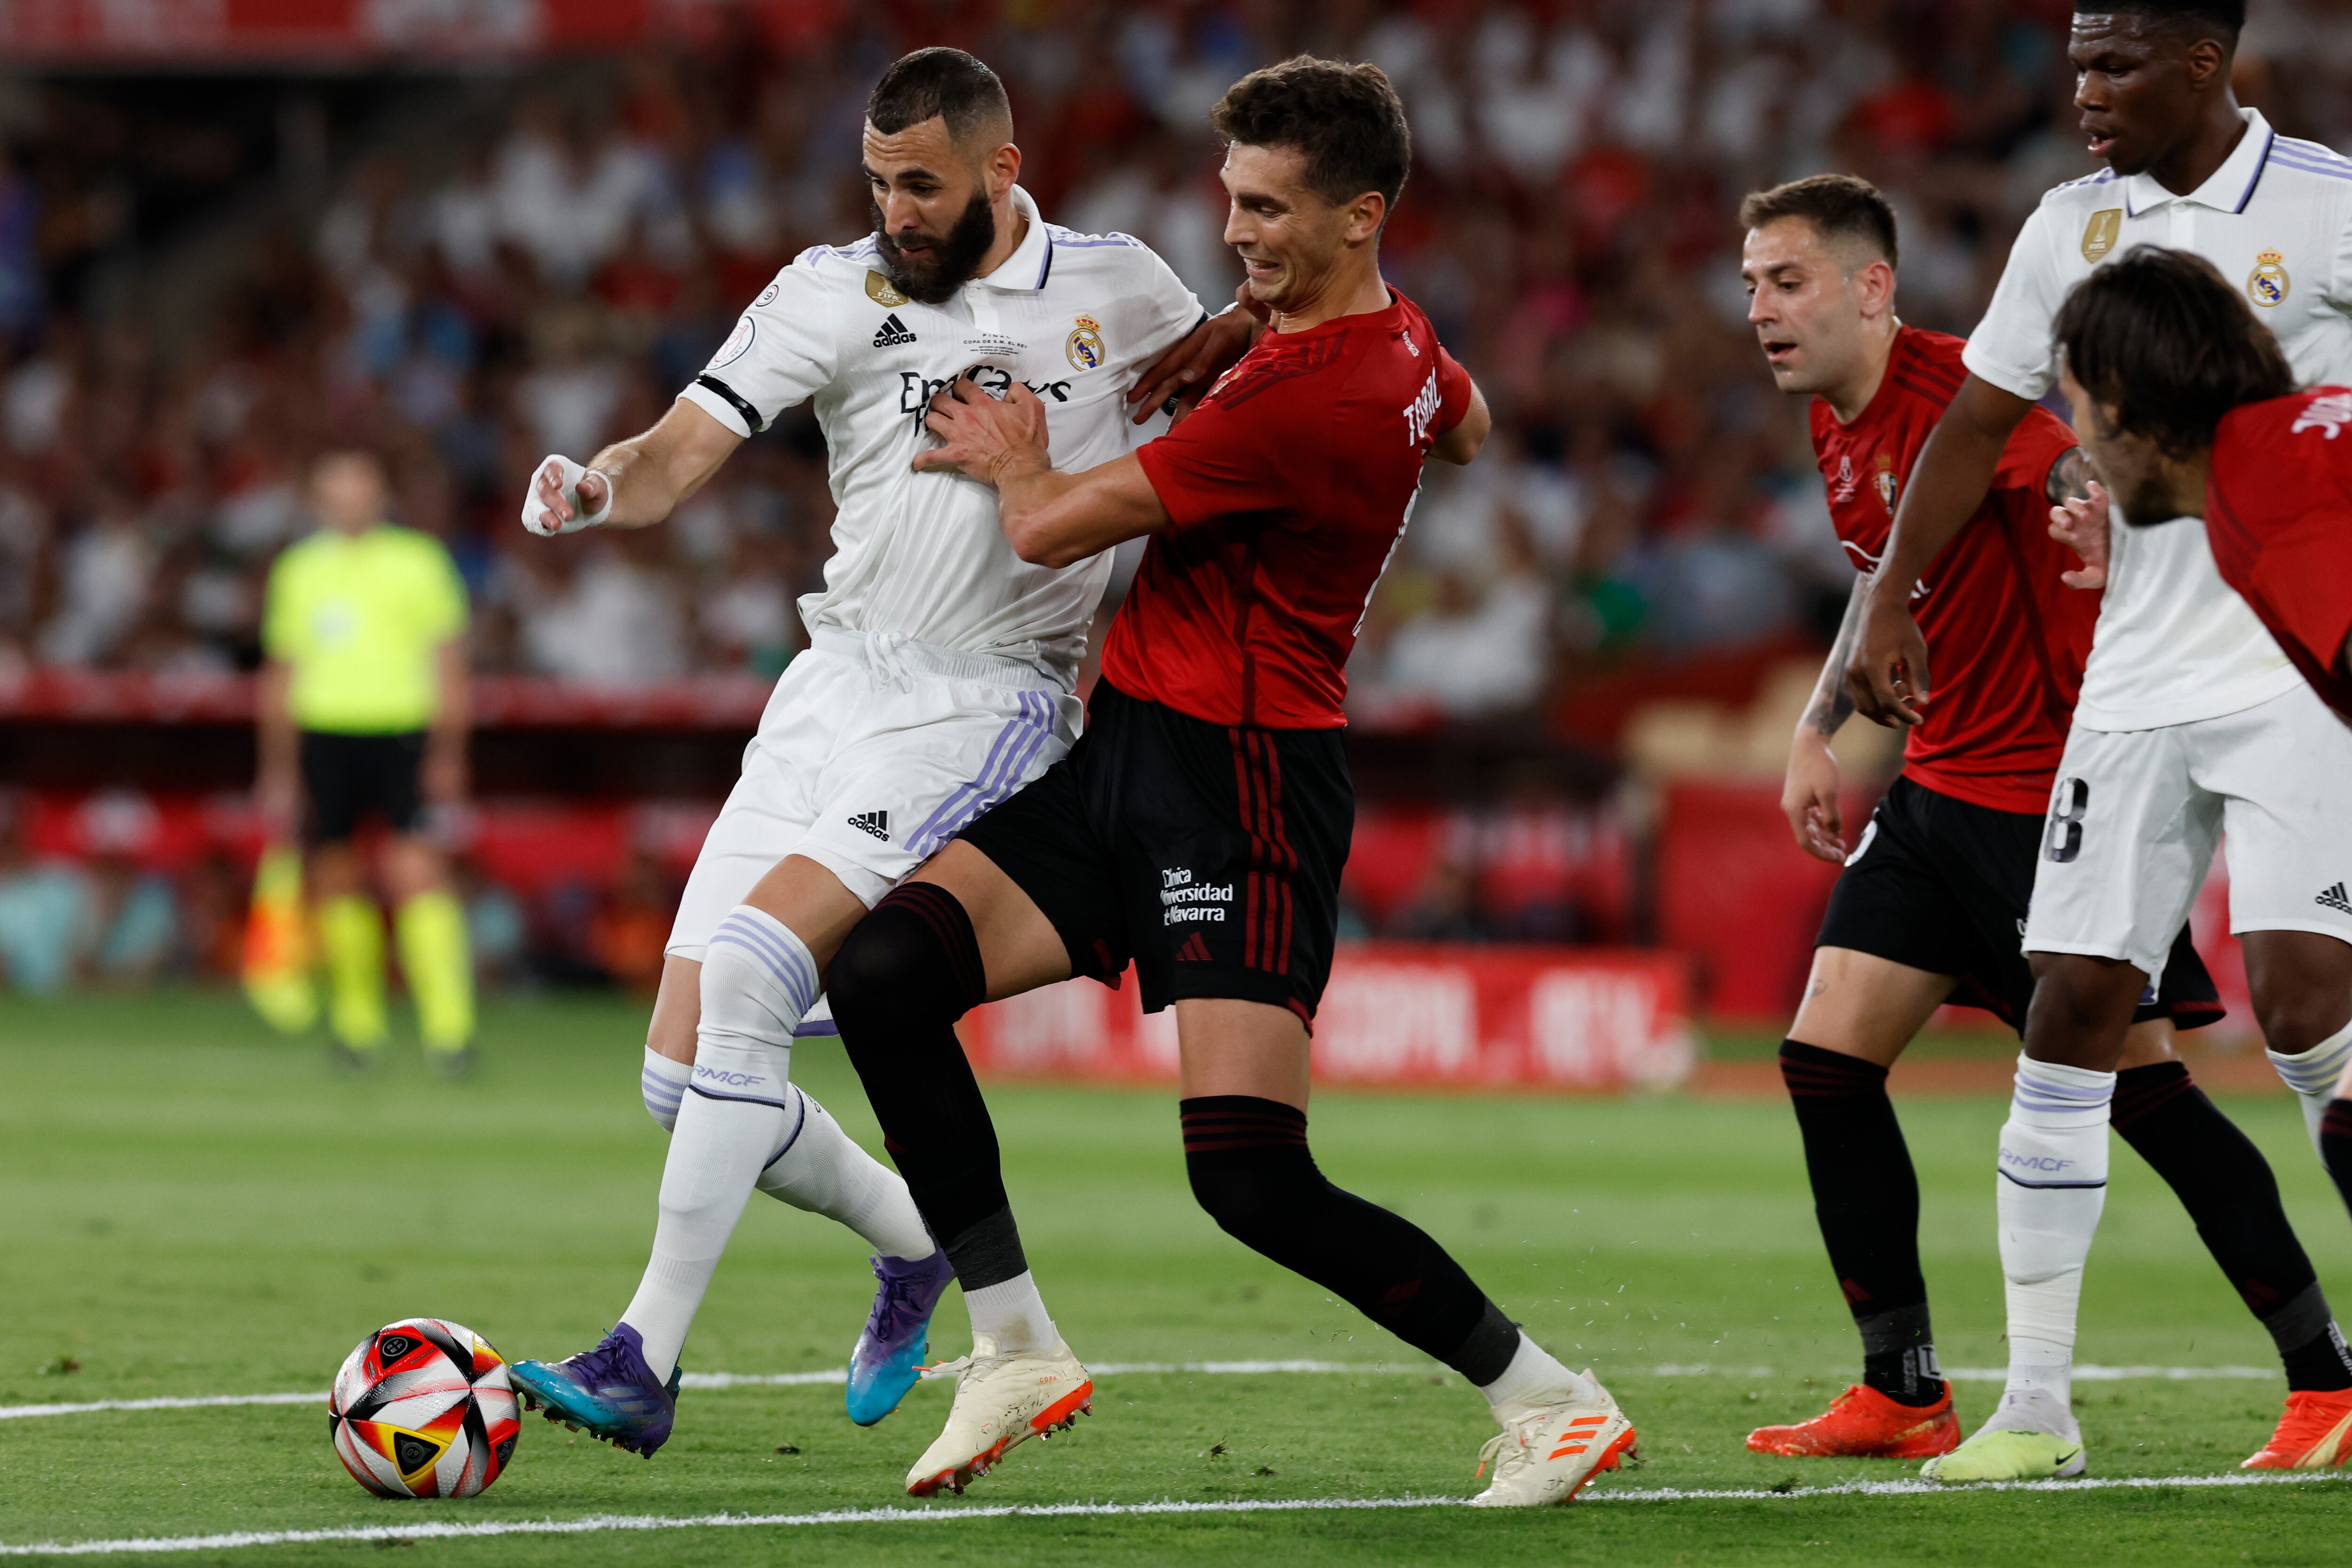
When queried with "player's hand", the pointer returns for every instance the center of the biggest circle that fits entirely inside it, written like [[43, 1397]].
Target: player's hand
[[1888, 672], [443, 776], [565, 497], [1186, 372], [2080, 525], [980, 434], [277, 797], [1809, 798]]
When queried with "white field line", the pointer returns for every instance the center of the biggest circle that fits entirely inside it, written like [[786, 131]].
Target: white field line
[[836, 1376], [598, 1524]]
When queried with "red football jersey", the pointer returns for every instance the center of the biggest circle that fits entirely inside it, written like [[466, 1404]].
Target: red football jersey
[[1287, 491], [2006, 639], [2278, 512]]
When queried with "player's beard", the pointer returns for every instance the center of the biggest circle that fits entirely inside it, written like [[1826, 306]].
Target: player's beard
[[954, 259]]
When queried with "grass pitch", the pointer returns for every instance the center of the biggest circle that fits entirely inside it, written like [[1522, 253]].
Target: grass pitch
[[192, 1208]]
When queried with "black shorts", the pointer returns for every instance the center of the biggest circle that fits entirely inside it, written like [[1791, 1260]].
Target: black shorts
[[1207, 854], [348, 776], [1942, 884]]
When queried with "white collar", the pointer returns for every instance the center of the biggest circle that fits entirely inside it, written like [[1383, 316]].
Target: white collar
[[1023, 272], [2228, 189]]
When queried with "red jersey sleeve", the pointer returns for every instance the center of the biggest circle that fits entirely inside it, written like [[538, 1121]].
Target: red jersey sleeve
[[1453, 393], [1234, 459], [2040, 439]]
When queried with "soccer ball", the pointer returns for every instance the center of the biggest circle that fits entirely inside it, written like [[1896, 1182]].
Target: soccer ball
[[422, 1408]]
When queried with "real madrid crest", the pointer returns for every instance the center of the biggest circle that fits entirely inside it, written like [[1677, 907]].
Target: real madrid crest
[[1084, 345], [882, 292], [2100, 233], [2267, 284]]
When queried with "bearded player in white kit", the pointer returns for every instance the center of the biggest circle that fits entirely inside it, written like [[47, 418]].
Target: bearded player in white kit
[[939, 680], [2191, 721]]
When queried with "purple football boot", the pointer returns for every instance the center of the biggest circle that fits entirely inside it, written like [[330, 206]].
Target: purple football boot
[[608, 1393], [890, 1354]]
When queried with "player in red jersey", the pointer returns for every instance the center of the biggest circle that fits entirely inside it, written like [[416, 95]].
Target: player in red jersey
[[1928, 909], [2187, 407], [1200, 826]]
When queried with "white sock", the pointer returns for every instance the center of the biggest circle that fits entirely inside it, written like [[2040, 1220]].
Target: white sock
[[664, 1082], [1536, 1377], [757, 980], [2313, 1074], [821, 1170], [2051, 1188], [1012, 1314]]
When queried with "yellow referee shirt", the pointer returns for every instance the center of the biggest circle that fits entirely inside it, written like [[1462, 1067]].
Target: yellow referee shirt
[[356, 619]]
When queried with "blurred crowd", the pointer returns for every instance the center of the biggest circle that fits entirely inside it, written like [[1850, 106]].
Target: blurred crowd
[[523, 264]]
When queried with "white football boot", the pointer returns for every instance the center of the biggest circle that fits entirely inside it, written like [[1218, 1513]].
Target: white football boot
[[1547, 1450], [1000, 1401]]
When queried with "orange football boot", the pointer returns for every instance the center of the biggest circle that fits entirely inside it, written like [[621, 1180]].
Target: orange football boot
[[1863, 1424], [2315, 1433]]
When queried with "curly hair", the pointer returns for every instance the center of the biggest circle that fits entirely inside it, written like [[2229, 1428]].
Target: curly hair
[[2160, 338]]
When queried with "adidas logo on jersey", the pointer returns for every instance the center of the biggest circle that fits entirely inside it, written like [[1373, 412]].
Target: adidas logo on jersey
[[2335, 898], [892, 332], [1194, 951], [878, 823]]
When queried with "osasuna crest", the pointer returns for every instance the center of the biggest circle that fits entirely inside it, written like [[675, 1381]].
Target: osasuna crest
[[1084, 346], [2267, 284], [2100, 233], [882, 292], [1886, 482]]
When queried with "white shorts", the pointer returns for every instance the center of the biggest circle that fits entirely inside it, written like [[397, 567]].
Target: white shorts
[[2136, 814], [869, 759]]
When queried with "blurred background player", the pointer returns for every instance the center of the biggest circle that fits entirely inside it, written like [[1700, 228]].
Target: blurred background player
[[1929, 907], [2184, 401], [363, 714], [938, 680], [1200, 826], [2189, 720]]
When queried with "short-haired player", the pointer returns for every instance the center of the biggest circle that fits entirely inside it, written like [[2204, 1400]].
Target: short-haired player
[[2190, 718], [1200, 826], [1934, 892], [938, 677]]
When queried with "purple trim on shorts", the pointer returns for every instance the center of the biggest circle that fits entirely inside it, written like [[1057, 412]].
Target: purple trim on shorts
[[1015, 747]]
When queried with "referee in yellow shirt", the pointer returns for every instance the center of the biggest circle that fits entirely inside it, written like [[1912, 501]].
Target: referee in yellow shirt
[[363, 709]]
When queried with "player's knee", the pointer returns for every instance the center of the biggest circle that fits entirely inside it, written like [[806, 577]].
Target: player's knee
[[911, 965], [1250, 1168], [2081, 1007], [2295, 1017]]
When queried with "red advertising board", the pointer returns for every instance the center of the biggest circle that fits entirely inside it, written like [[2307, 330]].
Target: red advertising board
[[1397, 1014]]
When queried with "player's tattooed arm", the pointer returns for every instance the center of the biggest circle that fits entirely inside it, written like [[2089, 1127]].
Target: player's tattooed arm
[[1809, 795], [1832, 701], [1049, 517]]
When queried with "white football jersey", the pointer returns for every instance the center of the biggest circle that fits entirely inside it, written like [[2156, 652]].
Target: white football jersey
[[2174, 642], [1074, 316]]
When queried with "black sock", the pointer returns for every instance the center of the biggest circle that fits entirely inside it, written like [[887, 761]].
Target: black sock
[[1866, 1197], [2226, 1185], [906, 975], [2335, 1146], [1250, 1170]]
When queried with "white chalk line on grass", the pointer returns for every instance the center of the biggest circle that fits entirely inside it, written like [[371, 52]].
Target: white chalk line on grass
[[596, 1524], [836, 1376]]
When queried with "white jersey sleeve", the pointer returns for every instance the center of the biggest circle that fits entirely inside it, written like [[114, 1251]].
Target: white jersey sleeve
[[783, 349], [2012, 347], [1171, 311]]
